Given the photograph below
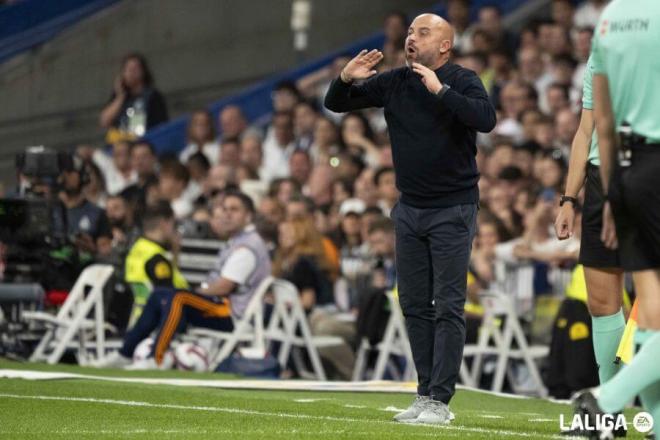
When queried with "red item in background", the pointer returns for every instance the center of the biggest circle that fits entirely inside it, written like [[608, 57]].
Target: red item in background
[[56, 297]]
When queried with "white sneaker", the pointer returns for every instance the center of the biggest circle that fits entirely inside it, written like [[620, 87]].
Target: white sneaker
[[435, 413], [113, 360], [418, 406], [143, 364]]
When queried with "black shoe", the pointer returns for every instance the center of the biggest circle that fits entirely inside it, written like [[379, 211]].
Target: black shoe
[[586, 406]]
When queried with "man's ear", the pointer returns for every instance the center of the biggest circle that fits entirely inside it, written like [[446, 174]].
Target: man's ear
[[445, 46]]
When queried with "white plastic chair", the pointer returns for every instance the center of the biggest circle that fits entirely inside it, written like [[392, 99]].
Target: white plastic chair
[[394, 343], [499, 307], [287, 319], [72, 319], [247, 330]]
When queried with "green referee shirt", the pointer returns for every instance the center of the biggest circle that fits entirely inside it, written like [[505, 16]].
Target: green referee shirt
[[588, 103], [626, 48]]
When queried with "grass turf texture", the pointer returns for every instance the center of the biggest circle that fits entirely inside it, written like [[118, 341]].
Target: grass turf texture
[[111, 410]]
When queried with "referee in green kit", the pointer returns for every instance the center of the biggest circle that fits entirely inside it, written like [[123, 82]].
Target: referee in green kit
[[626, 87]]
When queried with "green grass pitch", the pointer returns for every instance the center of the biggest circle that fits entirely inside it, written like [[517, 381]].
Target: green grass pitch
[[96, 409]]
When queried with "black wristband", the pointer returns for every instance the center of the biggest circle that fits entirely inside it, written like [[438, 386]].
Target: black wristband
[[565, 199]]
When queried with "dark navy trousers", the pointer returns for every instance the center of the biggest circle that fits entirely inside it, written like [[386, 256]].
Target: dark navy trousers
[[433, 248]]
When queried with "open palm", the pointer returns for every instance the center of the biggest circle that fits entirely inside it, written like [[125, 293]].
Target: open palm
[[362, 66]]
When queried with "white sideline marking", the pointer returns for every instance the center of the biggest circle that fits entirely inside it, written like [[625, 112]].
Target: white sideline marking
[[272, 414], [348, 405], [491, 416], [541, 420], [382, 386], [308, 400]]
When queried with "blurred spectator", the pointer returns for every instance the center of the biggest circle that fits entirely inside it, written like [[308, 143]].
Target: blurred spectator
[[358, 138], [230, 152], [458, 14], [121, 222], [232, 122], [198, 169], [305, 114], [143, 161], [557, 98], [136, 105], [395, 28], [201, 138], [278, 148], [252, 154], [285, 97], [87, 224], [352, 253], [326, 141], [117, 170], [388, 194], [300, 165], [174, 178], [532, 71], [94, 189], [220, 178], [300, 258], [563, 12], [566, 124], [589, 13], [490, 21]]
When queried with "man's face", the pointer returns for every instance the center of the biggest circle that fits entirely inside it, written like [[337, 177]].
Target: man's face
[[116, 210], [235, 215], [489, 20], [71, 182], [230, 154], [232, 122], [458, 13], [300, 167], [426, 42], [387, 187], [121, 156], [283, 129], [304, 119], [251, 154], [284, 100], [143, 160], [382, 243], [200, 127]]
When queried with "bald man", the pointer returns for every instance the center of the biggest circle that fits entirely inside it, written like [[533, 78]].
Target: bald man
[[433, 110]]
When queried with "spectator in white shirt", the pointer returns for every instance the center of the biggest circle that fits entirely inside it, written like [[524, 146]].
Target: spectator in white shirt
[[201, 138], [174, 178], [116, 169], [278, 148]]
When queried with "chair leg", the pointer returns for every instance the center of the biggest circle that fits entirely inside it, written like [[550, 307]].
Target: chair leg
[[360, 361]]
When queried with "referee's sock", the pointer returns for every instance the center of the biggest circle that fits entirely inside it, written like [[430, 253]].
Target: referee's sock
[[650, 396], [607, 332], [642, 374]]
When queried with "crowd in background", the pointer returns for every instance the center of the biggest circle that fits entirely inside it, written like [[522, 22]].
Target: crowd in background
[[324, 184]]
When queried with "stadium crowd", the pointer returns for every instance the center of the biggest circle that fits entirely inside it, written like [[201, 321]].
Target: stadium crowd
[[323, 183]]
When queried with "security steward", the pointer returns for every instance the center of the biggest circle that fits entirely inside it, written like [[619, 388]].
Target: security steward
[[147, 264]]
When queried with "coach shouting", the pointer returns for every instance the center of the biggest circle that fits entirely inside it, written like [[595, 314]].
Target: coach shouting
[[433, 110]]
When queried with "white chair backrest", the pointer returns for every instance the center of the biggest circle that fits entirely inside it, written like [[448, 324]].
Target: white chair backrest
[[288, 312], [95, 275]]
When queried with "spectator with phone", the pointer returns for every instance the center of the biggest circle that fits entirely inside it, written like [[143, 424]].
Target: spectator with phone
[[136, 105]]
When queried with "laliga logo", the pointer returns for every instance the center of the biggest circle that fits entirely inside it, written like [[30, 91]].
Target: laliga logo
[[643, 422]]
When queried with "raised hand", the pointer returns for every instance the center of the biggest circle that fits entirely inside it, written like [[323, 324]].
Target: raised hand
[[362, 66], [429, 78]]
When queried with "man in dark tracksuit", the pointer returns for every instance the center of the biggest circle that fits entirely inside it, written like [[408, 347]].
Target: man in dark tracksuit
[[433, 110]]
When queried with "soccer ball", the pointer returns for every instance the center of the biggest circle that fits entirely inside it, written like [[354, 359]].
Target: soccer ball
[[191, 357], [143, 352]]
